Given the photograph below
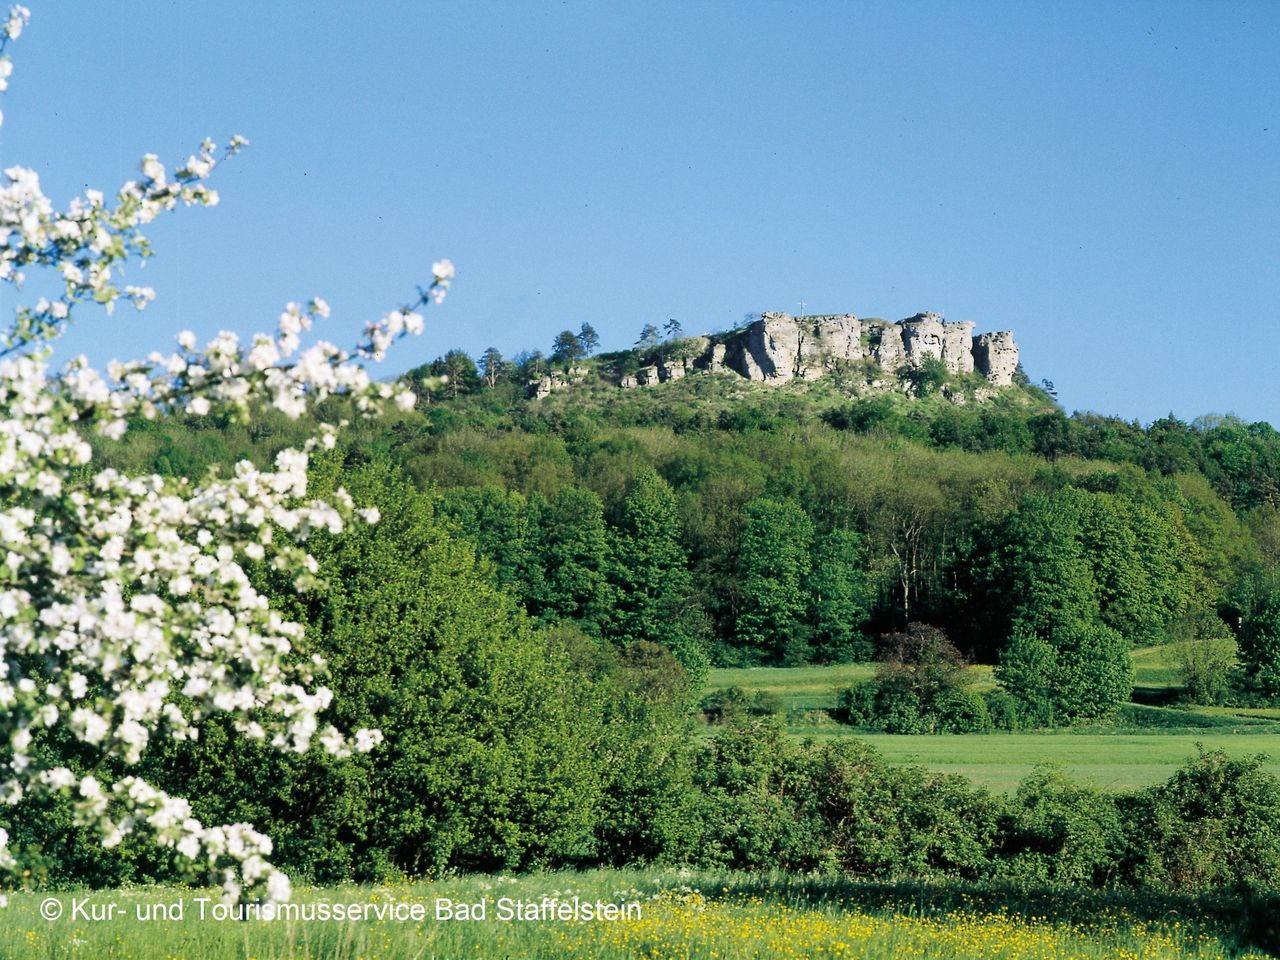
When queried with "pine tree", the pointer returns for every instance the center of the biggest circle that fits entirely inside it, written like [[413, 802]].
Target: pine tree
[[492, 366], [650, 336], [588, 339], [566, 348]]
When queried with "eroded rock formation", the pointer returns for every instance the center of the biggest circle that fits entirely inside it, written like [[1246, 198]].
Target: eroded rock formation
[[779, 347], [549, 383]]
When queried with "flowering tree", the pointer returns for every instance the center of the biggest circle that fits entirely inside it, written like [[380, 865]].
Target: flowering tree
[[119, 594]]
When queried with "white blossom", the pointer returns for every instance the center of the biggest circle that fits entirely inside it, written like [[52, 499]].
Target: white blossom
[[120, 593]]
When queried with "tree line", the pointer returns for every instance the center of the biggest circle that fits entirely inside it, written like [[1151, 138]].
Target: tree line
[[738, 524]]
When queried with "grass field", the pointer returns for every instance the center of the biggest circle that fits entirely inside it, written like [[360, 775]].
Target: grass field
[[1113, 761], [671, 914], [1142, 748]]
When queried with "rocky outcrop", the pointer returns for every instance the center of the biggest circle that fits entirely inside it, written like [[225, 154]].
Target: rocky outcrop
[[995, 356], [779, 347], [549, 383]]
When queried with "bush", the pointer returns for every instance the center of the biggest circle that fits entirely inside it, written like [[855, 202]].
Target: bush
[[1003, 709], [837, 807], [1060, 833], [732, 703], [927, 378], [1205, 667], [1213, 824], [856, 704], [962, 711], [921, 686], [646, 806], [745, 818]]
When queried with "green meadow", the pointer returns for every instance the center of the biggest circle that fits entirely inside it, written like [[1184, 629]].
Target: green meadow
[[695, 915], [1142, 747]]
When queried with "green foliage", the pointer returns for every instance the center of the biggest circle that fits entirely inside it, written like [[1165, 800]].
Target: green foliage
[[920, 686], [1212, 825], [496, 521], [449, 376], [588, 339], [836, 807], [645, 751], [1003, 709], [530, 621], [570, 581], [773, 563], [1260, 646], [840, 598], [1205, 654], [490, 729], [1064, 567], [928, 378], [652, 584], [730, 704], [744, 815], [980, 518], [567, 348], [1071, 672], [492, 366], [1061, 834]]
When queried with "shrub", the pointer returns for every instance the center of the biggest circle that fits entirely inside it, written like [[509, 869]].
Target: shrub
[[1213, 824], [1003, 709], [745, 818], [962, 711], [1060, 833], [1205, 667], [647, 798], [856, 704], [732, 703], [921, 686], [1260, 646]]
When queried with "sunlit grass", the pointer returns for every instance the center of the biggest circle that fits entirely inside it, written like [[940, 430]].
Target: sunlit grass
[[1144, 747], [680, 914]]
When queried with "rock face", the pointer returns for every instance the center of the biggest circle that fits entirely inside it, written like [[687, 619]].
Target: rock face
[[996, 355], [779, 347], [549, 383]]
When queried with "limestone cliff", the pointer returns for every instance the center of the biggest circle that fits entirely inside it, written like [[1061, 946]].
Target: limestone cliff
[[779, 347]]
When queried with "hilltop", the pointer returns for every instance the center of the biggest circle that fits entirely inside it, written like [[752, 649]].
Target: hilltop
[[916, 356]]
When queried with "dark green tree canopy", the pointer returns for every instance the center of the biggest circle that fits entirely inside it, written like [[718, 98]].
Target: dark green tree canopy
[[588, 339], [652, 583], [493, 366], [567, 348], [774, 562]]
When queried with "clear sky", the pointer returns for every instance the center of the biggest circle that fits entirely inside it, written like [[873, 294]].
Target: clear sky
[[1101, 178]]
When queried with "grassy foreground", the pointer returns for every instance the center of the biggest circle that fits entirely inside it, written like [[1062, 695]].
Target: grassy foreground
[[681, 914]]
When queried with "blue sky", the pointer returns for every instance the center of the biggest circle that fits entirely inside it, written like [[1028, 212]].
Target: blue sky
[[1104, 179]]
